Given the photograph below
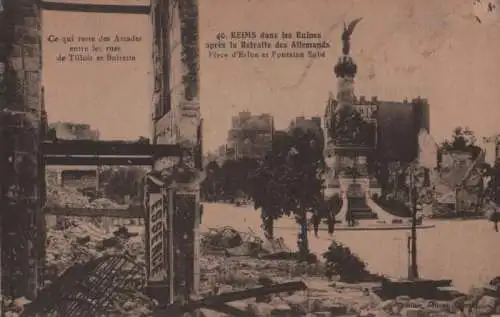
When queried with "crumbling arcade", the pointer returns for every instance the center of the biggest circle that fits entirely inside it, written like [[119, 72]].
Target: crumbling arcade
[[171, 206], [26, 150]]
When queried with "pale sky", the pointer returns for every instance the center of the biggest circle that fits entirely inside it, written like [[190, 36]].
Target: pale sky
[[403, 48]]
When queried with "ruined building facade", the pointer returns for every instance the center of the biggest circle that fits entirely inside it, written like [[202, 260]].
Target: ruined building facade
[[250, 136], [176, 120]]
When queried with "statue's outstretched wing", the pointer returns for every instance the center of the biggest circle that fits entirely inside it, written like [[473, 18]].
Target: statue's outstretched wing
[[352, 25]]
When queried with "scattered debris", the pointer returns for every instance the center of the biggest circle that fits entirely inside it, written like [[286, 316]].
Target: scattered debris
[[103, 286], [232, 242], [124, 233], [232, 261]]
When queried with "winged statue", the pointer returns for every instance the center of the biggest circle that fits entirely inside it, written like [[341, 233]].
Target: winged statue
[[346, 35]]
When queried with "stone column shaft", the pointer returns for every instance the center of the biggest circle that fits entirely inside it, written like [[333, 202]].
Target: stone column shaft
[[177, 90], [20, 102]]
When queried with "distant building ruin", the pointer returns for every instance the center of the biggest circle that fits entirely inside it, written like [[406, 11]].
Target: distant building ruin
[[250, 136], [311, 124], [73, 131]]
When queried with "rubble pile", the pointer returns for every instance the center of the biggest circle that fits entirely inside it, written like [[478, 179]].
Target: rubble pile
[[106, 203], [237, 273], [231, 242], [234, 260], [220, 239], [485, 299], [72, 197], [82, 241], [66, 197], [14, 307]]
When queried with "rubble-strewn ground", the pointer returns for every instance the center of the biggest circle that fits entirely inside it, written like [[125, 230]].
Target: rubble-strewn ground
[[82, 241], [324, 298], [465, 251], [235, 263]]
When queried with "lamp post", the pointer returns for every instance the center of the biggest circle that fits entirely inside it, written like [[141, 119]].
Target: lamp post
[[413, 267]]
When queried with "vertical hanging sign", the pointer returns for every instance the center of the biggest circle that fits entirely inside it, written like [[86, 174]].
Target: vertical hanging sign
[[156, 239]]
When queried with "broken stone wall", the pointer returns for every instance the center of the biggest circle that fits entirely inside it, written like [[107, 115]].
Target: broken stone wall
[[22, 232]]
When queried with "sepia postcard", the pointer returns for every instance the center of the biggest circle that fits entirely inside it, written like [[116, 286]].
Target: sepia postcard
[[249, 158]]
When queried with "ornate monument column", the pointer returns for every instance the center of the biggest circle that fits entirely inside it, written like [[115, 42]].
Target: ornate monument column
[[340, 123], [351, 136]]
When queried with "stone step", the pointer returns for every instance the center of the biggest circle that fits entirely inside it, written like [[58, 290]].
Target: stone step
[[359, 208], [364, 215]]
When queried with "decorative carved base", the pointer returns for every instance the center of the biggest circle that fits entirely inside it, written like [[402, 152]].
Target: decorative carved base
[[346, 67]]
